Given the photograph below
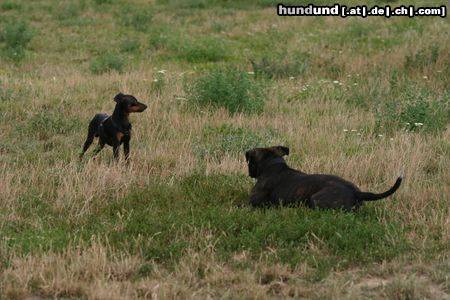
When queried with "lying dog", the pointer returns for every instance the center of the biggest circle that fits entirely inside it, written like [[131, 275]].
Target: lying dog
[[277, 183], [115, 129]]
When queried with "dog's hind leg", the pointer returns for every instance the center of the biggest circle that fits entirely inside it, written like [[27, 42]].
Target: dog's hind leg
[[93, 131], [332, 198], [99, 148], [88, 142]]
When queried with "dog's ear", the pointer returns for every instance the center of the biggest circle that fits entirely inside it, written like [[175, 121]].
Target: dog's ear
[[281, 150], [119, 98]]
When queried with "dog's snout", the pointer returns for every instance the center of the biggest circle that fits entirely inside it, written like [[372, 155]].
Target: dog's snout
[[137, 107]]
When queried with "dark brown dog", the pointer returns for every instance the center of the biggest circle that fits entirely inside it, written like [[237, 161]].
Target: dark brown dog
[[279, 184]]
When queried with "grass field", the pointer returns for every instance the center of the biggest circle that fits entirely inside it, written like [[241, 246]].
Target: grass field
[[365, 99]]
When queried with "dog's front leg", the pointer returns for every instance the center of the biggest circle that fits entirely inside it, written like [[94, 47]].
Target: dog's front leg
[[116, 151], [126, 147], [259, 198]]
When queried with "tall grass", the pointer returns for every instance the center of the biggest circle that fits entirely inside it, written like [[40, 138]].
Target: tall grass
[[175, 222], [229, 88]]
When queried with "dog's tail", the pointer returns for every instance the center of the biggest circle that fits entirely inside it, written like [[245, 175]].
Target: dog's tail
[[367, 196]]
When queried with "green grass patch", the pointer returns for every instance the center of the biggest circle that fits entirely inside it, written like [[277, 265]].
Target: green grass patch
[[10, 5], [106, 63], [16, 36], [101, 2], [163, 221], [209, 4], [297, 65], [420, 110], [274, 3], [362, 36], [72, 14], [183, 47], [173, 218], [269, 43], [68, 10], [227, 88], [137, 17], [205, 49], [422, 58], [45, 125], [130, 46], [40, 229], [404, 25], [160, 36], [26, 239], [186, 4]]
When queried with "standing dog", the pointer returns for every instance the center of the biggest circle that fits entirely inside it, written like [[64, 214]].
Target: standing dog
[[277, 183], [115, 129]]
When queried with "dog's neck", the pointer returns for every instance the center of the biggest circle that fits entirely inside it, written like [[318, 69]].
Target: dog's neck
[[120, 119], [119, 115], [270, 163]]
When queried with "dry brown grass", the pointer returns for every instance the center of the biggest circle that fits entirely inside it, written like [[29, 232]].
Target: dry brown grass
[[49, 170], [89, 272]]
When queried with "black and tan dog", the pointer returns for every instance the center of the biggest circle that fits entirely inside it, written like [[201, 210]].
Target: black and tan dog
[[115, 129], [279, 184]]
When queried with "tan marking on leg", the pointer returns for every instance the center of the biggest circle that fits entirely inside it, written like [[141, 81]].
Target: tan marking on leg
[[119, 136]]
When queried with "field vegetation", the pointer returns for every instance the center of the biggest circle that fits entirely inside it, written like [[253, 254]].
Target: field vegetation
[[365, 99]]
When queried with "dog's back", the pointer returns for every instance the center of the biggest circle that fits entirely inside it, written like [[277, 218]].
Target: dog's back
[[95, 123]]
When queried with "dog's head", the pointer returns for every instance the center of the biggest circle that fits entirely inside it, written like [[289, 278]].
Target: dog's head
[[129, 103], [259, 158]]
